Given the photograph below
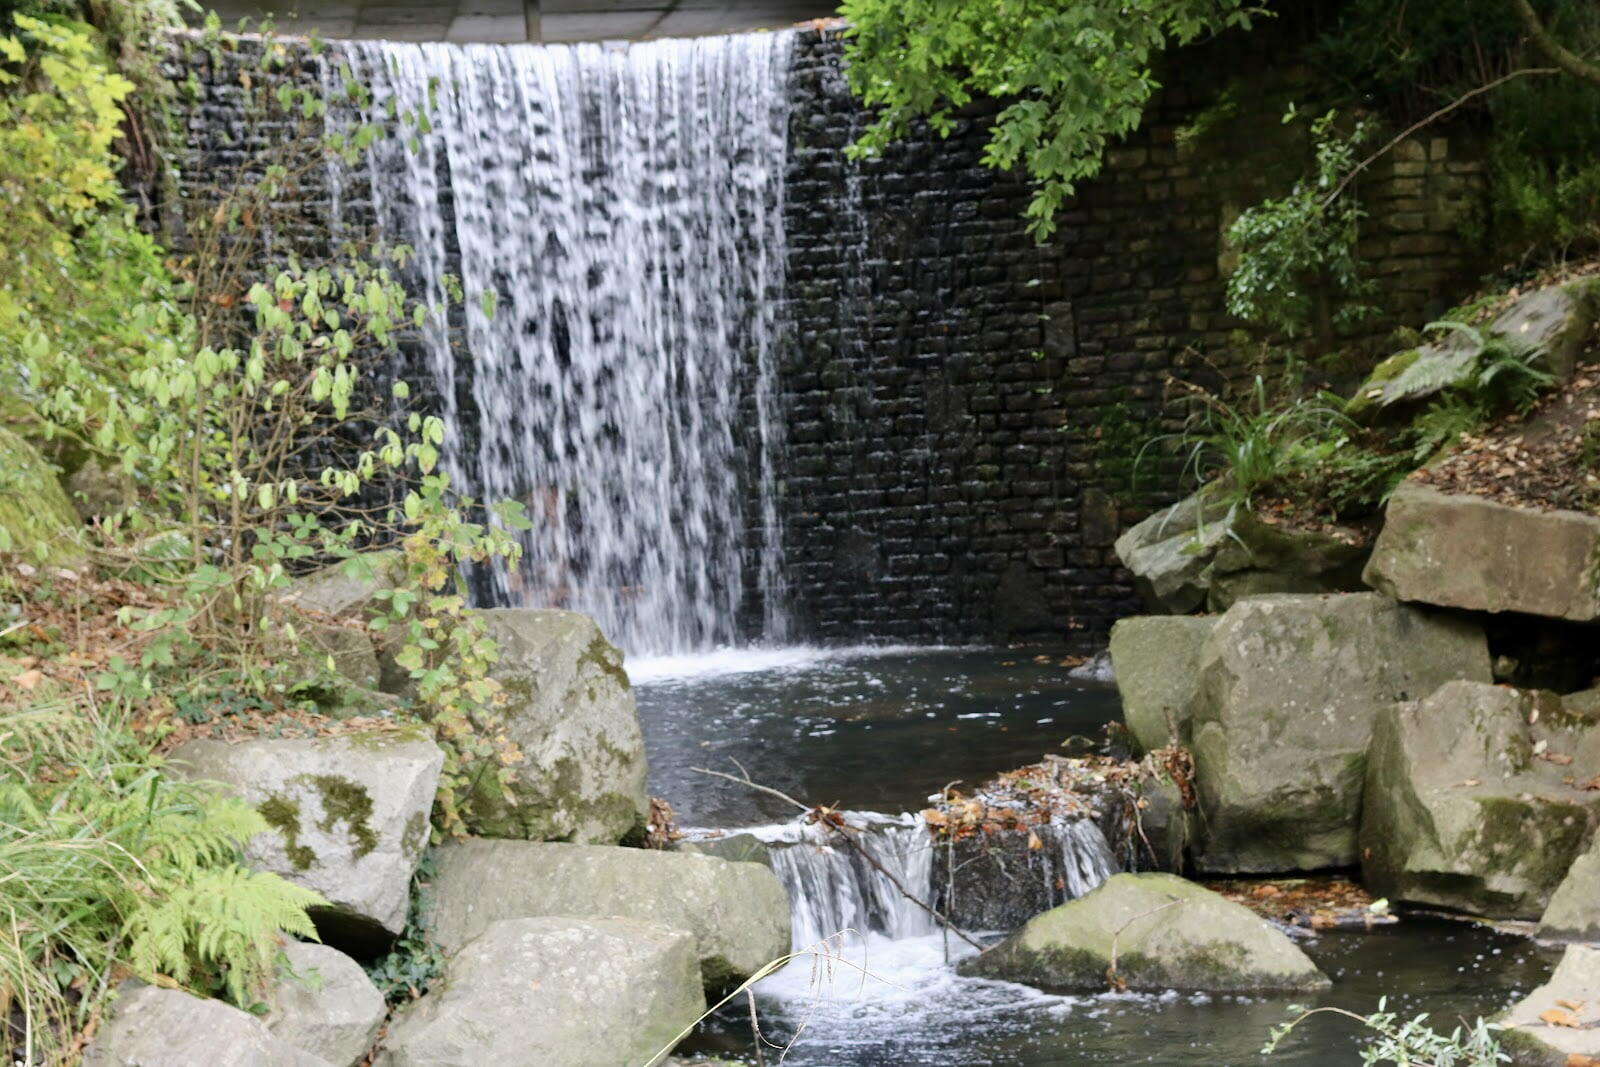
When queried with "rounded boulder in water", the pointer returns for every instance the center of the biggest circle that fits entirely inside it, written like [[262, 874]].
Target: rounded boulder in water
[[1152, 932]]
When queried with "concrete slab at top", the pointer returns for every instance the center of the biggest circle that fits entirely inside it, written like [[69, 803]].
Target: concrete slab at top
[[509, 21]]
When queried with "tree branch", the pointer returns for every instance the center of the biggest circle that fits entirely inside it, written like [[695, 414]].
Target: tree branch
[[1558, 53]]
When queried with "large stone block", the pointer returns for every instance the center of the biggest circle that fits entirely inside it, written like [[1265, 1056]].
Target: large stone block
[[738, 912], [1158, 932], [1156, 662], [1462, 808], [151, 1027], [349, 816], [1289, 689], [1198, 555], [570, 711], [601, 992], [1469, 552]]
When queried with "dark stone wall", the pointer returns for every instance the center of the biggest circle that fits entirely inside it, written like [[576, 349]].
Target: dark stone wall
[[963, 405]]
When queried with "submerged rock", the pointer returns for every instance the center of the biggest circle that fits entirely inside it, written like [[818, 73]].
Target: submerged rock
[[1460, 809], [325, 1005], [151, 1027], [1157, 663], [1574, 910], [1558, 1024], [601, 992], [1197, 555], [1289, 689], [1469, 552], [349, 816], [738, 912], [570, 711], [1152, 932]]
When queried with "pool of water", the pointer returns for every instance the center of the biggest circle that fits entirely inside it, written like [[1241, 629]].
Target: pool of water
[[882, 729], [869, 729]]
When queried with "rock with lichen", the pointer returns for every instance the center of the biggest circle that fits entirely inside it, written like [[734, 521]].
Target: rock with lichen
[[1471, 802], [578, 773], [349, 816], [37, 521], [1150, 932], [738, 912]]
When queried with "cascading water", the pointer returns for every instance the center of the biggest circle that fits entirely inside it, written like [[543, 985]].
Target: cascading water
[[613, 216]]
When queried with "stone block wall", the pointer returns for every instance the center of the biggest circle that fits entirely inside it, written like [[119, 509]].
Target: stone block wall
[[963, 404]]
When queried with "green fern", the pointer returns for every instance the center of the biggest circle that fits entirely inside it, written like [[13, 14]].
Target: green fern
[[1490, 370], [107, 867]]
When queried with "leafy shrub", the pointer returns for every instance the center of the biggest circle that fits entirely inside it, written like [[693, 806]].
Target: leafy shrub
[[1409, 1044]]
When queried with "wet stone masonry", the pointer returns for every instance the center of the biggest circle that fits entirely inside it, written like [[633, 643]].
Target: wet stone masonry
[[961, 405]]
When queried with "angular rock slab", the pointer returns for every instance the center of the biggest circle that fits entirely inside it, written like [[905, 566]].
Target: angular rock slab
[[1195, 556], [1573, 913], [601, 992], [738, 912], [1461, 813], [151, 1027], [1468, 552], [570, 711], [1156, 662], [1166, 933], [1536, 1042], [1289, 689], [349, 816], [326, 1005]]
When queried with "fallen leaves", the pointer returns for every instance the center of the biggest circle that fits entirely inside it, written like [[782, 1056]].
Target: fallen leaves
[[1313, 903], [1560, 1017]]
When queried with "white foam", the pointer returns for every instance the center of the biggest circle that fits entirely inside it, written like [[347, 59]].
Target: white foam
[[753, 659]]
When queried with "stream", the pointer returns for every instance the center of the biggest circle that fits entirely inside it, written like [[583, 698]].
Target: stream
[[877, 730]]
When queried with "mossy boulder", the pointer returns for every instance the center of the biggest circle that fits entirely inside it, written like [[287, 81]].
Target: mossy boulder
[[1289, 689], [1198, 555], [149, 1026], [324, 1003], [37, 521], [349, 817], [1366, 402], [738, 912], [570, 711], [1463, 810], [1156, 662], [1470, 552], [601, 992], [1155, 932], [1558, 1024]]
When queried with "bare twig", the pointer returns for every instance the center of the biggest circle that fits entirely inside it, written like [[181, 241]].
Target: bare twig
[[845, 832], [1344, 183], [1115, 980], [1546, 42]]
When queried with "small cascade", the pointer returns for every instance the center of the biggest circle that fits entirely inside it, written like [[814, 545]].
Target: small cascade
[[612, 215], [835, 888]]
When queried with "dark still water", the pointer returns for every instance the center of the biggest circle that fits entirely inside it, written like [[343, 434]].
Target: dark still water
[[874, 730], [879, 731]]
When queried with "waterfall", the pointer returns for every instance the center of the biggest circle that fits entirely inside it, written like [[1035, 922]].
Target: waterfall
[[613, 216], [834, 888]]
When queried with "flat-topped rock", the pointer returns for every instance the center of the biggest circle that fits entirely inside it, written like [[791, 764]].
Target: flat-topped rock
[[1558, 1024], [600, 992], [738, 912], [1289, 689], [1462, 808], [349, 816], [1157, 932], [1469, 552]]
